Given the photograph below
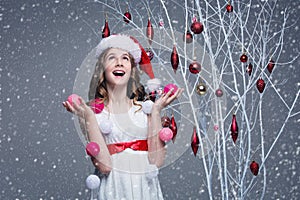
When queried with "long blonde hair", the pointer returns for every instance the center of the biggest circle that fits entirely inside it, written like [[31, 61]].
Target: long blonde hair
[[98, 88]]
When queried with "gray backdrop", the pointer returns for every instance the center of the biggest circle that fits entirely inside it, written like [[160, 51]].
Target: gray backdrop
[[43, 44]]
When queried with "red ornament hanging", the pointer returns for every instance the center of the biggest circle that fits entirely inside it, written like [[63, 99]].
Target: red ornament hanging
[[243, 58], [229, 8], [188, 37], [270, 66], [174, 59], [195, 142], [254, 167], [127, 17], [105, 31], [249, 69], [197, 27], [165, 121], [260, 84], [234, 129], [150, 32], [173, 127], [152, 95], [195, 67]]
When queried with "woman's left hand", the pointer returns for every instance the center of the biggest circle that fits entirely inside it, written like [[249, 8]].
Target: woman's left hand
[[166, 99]]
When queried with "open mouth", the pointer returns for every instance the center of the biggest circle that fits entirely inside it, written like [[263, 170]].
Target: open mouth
[[119, 73]]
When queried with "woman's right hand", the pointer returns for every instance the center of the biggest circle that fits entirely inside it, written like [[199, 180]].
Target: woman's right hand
[[81, 110]]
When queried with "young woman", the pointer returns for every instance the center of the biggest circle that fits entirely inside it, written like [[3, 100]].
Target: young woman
[[130, 148]]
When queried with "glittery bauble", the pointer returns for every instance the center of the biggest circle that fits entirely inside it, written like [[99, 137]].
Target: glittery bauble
[[244, 58], [165, 134], [195, 67], [229, 8], [127, 17], [188, 37], [201, 89], [170, 86], [147, 106], [150, 54], [73, 98], [197, 27], [219, 93], [254, 167], [92, 181], [92, 149], [105, 126], [260, 84]]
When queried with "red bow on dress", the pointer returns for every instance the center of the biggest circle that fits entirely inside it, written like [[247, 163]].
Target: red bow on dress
[[137, 145]]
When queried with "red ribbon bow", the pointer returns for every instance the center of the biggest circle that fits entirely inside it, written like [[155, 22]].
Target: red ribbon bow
[[137, 145]]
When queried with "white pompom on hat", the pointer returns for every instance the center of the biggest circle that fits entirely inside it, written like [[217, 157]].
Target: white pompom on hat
[[132, 46]]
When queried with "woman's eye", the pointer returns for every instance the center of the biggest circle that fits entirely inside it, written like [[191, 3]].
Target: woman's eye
[[125, 58], [111, 57]]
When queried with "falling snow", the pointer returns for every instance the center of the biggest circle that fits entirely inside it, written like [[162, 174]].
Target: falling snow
[[42, 47]]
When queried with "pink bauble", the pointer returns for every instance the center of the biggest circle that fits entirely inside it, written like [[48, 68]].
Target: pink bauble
[[97, 106], [219, 93], [73, 98], [92, 149], [169, 87], [216, 127], [166, 134]]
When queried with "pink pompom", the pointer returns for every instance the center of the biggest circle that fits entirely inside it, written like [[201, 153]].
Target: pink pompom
[[166, 134], [73, 98], [97, 106], [168, 87], [92, 149]]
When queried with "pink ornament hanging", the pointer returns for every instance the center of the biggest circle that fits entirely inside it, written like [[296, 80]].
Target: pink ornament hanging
[[73, 98], [92, 149], [165, 134], [234, 129], [150, 32]]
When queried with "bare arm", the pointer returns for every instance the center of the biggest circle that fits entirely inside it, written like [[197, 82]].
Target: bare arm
[[103, 160], [156, 147]]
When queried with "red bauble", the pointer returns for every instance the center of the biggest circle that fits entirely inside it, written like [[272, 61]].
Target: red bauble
[[229, 8], [149, 32], [127, 17], [244, 58], [234, 129], [254, 167], [270, 66], [219, 93], [92, 149], [260, 84], [105, 31], [73, 98], [173, 127], [174, 59], [197, 27], [188, 37], [150, 54], [165, 121], [195, 67], [249, 69], [195, 142]]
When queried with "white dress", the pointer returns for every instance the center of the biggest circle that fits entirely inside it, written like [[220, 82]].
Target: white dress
[[132, 176]]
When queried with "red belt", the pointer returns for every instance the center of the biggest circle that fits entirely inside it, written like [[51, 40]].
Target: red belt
[[137, 145]]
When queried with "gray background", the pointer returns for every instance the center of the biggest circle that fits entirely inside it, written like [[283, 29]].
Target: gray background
[[43, 44]]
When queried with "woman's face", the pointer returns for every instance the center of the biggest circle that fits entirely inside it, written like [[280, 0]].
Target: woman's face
[[117, 67]]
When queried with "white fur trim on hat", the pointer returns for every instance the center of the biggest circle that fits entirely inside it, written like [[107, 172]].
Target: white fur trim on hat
[[123, 42], [153, 84]]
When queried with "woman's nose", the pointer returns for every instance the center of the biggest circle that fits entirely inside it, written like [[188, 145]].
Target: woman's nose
[[119, 61]]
